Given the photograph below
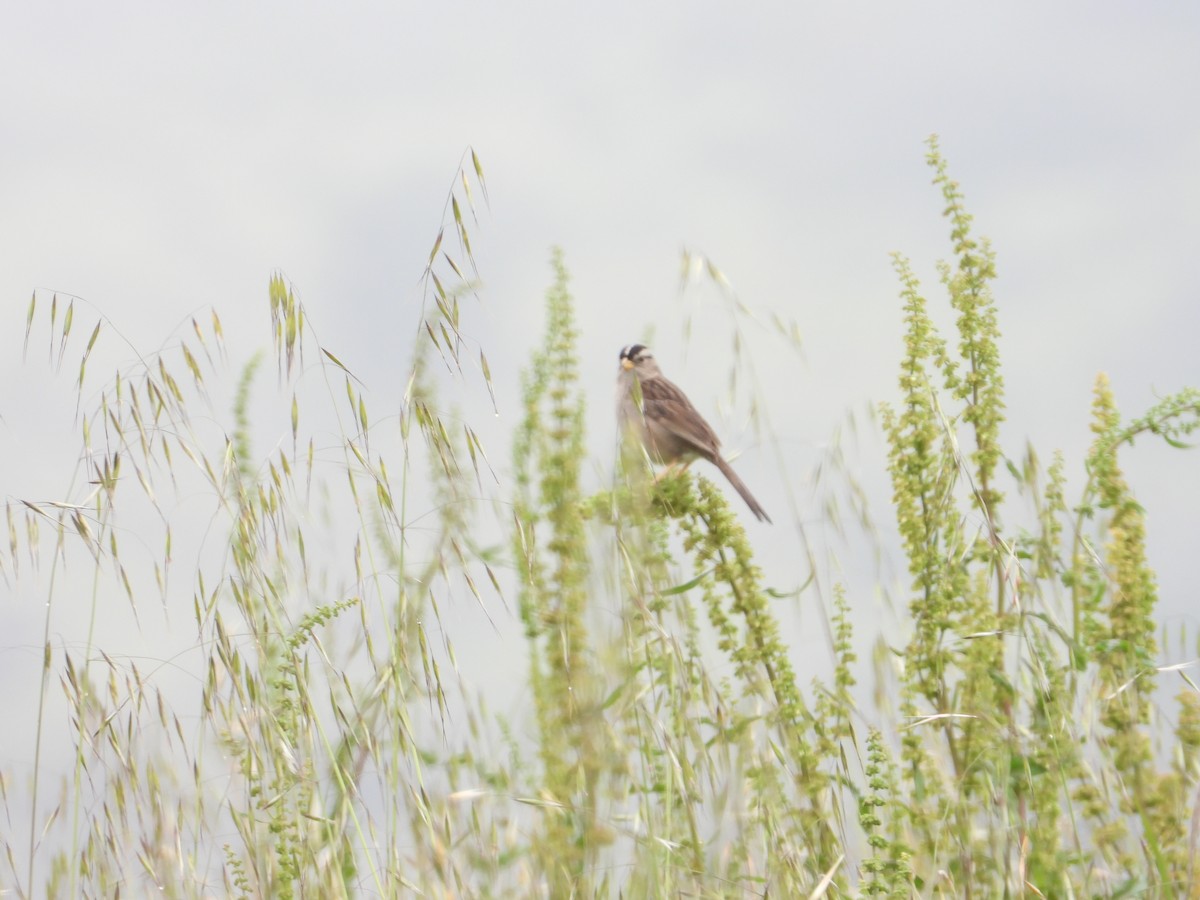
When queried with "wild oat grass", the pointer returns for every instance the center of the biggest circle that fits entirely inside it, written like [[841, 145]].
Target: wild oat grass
[[321, 743]]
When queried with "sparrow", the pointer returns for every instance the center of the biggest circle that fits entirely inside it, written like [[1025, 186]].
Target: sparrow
[[651, 408]]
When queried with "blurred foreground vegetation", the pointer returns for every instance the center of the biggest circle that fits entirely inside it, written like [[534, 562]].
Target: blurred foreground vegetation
[[321, 745]]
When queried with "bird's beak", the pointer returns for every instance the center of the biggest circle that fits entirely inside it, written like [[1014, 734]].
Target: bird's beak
[[627, 363]]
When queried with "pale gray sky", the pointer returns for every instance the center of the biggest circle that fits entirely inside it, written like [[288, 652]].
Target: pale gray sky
[[157, 162]]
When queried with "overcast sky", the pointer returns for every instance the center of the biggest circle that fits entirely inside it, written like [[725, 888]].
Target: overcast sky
[[157, 163]]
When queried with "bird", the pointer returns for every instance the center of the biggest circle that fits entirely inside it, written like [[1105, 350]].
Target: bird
[[665, 422]]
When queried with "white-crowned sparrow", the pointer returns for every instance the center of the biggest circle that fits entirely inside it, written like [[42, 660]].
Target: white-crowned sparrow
[[665, 422]]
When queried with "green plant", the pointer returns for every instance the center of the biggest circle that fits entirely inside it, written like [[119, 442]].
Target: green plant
[[324, 742]]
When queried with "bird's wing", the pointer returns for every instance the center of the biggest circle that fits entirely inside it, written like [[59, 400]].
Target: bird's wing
[[668, 405]]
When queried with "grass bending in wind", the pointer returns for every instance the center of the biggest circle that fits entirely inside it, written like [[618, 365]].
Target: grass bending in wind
[[325, 742]]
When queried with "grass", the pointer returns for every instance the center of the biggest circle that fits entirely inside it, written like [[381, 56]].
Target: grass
[[319, 740]]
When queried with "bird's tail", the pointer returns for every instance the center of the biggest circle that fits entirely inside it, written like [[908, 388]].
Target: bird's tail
[[727, 471]]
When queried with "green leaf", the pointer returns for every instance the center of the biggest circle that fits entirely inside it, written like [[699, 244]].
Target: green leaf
[[29, 320], [479, 174], [437, 245], [686, 586]]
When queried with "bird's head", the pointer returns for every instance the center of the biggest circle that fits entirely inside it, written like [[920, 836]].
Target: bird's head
[[635, 356]]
